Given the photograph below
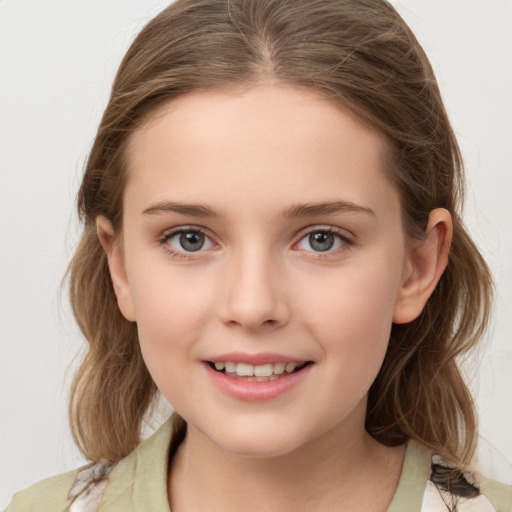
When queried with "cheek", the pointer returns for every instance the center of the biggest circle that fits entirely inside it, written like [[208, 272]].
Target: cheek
[[353, 332], [351, 317], [171, 311]]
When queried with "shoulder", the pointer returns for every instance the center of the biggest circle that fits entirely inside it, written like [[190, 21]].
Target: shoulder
[[498, 493], [429, 483], [68, 491], [136, 482], [491, 496], [75, 491], [49, 495], [449, 488]]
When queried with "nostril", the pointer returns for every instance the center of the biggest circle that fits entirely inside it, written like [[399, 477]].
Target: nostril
[[269, 323]]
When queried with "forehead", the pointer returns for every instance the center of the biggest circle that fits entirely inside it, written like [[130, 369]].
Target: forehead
[[271, 142]]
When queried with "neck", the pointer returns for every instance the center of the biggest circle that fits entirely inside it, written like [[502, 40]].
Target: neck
[[344, 466]]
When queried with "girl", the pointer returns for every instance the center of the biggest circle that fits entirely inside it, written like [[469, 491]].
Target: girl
[[272, 241]]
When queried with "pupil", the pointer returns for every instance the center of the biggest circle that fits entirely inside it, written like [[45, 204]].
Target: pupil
[[191, 241], [321, 241]]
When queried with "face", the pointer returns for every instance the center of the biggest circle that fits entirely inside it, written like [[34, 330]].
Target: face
[[263, 259]]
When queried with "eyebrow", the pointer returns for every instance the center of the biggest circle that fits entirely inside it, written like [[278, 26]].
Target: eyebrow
[[195, 210], [327, 208], [294, 211]]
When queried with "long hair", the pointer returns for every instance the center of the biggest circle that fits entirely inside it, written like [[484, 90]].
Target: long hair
[[358, 53]]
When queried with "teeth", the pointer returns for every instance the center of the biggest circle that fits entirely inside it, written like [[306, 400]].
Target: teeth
[[290, 367], [244, 370], [268, 371], [263, 370], [230, 367], [279, 368]]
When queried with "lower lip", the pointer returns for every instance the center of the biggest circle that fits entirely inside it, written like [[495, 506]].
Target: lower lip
[[254, 391]]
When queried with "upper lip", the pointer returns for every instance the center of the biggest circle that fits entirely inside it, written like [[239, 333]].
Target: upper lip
[[254, 359]]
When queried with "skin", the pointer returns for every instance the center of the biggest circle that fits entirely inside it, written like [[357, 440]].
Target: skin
[[248, 158]]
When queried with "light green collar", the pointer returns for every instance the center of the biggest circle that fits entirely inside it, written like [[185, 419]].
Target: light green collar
[[139, 482], [408, 496]]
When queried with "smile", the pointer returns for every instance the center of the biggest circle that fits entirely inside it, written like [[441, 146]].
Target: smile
[[257, 373]]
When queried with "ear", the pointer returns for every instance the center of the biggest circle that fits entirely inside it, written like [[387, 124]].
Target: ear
[[427, 262], [112, 246]]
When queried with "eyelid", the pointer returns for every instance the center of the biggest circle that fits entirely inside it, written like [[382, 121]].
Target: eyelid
[[170, 232], [343, 233]]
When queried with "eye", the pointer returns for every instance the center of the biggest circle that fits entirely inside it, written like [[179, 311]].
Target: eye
[[188, 240], [322, 240]]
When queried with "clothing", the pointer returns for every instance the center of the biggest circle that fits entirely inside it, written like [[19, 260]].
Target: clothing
[[138, 483]]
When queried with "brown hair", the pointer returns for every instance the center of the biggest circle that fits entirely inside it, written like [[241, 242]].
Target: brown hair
[[359, 53]]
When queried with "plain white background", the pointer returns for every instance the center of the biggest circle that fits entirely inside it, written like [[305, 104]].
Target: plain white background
[[58, 59]]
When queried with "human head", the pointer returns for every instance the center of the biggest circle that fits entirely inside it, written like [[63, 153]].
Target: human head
[[355, 52]]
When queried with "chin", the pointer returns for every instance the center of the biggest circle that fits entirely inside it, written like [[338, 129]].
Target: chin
[[259, 440], [260, 447]]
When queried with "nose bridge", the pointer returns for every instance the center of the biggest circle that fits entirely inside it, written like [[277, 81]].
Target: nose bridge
[[255, 295]]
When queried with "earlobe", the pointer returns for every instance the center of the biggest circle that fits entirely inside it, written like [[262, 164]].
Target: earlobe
[[112, 247], [425, 266]]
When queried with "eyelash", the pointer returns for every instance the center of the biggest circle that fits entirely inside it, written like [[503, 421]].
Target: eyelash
[[345, 241]]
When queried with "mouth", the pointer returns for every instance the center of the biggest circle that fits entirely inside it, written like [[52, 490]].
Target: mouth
[[257, 373]]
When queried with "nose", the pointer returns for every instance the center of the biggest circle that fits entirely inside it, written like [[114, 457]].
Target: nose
[[254, 293]]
